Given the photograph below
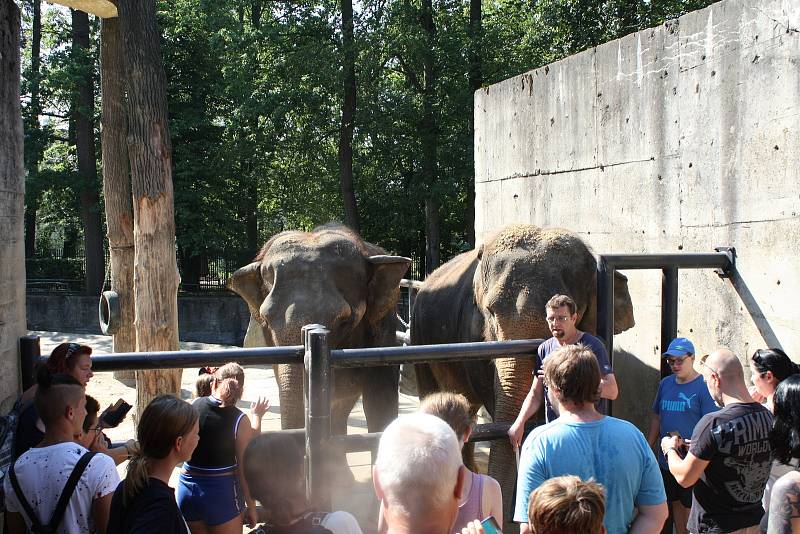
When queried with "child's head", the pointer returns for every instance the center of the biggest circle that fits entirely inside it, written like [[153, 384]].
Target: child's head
[[565, 505], [202, 385], [228, 383], [90, 429], [273, 468], [453, 408]]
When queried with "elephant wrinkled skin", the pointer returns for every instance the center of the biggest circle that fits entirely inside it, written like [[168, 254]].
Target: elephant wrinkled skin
[[329, 276], [498, 292]]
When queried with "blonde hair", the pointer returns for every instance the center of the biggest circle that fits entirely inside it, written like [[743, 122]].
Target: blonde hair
[[565, 505], [452, 408], [164, 420], [229, 381]]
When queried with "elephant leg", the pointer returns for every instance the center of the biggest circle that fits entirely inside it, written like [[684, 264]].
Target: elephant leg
[[344, 399], [512, 383], [426, 382], [290, 392], [380, 396]]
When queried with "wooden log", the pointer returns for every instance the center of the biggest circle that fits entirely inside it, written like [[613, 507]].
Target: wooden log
[[117, 184], [155, 271]]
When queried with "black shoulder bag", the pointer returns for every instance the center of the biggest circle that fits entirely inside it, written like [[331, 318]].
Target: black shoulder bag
[[63, 500]]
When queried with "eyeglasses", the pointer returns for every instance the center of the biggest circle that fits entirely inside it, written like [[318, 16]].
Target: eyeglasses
[[704, 364], [678, 360], [558, 319]]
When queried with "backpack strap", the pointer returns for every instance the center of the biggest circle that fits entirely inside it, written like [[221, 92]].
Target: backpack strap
[[63, 500], [35, 524], [69, 489]]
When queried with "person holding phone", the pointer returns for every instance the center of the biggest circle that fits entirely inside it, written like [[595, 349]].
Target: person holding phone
[[681, 401]]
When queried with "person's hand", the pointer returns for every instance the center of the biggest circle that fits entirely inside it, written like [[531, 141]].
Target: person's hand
[[671, 442], [755, 395], [473, 527], [250, 515], [260, 407], [515, 433], [99, 443]]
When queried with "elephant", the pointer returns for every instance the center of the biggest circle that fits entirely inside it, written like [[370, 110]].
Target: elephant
[[328, 276], [498, 292]]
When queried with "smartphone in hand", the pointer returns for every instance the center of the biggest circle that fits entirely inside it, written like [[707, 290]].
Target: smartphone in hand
[[113, 415], [490, 526]]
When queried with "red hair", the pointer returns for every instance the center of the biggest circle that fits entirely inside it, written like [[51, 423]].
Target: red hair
[[64, 356]]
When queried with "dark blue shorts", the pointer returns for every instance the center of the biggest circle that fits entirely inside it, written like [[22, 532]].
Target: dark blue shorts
[[214, 500]]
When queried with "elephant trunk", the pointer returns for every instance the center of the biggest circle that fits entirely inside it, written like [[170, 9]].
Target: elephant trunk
[[512, 383]]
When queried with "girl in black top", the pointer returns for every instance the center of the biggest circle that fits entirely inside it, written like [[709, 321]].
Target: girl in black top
[[168, 434]]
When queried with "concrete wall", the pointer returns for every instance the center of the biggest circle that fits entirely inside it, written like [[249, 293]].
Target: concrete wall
[[219, 319], [681, 137], [12, 196]]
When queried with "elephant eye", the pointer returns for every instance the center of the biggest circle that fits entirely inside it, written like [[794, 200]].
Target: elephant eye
[[268, 276]]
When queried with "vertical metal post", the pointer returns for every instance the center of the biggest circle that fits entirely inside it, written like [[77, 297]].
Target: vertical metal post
[[29, 353], [605, 309], [669, 312], [318, 418], [605, 304]]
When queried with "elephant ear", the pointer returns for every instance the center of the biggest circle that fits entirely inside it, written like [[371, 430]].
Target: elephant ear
[[249, 285], [384, 285]]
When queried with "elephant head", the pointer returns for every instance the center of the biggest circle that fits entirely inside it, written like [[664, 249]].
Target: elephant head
[[329, 276]]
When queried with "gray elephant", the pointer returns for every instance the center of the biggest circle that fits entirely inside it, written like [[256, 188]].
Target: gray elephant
[[497, 292], [328, 276]]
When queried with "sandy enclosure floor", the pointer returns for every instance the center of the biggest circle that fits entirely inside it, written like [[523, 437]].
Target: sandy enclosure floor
[[359, 499]]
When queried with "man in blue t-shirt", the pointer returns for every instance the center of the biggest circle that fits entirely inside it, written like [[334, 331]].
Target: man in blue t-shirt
[[562, 317], [585, 443], [681, 401]]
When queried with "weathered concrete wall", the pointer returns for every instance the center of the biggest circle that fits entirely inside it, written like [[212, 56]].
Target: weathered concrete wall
[[12, 196], [220, 319], [681, 137]]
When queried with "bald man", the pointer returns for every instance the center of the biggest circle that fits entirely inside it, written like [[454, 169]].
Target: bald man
[[728, 460]]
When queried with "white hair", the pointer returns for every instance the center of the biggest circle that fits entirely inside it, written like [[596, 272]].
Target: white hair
[[417, 464]]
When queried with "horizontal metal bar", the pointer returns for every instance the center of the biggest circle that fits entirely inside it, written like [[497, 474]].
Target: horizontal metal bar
[[689, 260], [412, 284], [146, 361], [376, 356]]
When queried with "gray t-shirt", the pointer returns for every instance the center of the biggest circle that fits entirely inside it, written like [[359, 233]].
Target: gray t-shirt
[[552, 345]]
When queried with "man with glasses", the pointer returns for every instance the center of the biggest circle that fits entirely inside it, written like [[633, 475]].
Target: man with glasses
[[681, 401], [728, 461], [562, 317]]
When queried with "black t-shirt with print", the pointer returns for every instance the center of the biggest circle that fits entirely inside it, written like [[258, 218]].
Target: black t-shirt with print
[[152, 510], [735, 440]]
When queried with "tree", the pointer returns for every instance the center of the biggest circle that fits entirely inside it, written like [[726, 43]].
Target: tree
[[117, 184], [150, 152], [348, 114], [83, 115]]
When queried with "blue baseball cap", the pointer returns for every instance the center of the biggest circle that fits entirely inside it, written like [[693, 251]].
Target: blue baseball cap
[[680, 346]]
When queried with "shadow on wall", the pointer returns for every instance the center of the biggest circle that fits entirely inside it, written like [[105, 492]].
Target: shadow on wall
[[638, 384], [755, 312]]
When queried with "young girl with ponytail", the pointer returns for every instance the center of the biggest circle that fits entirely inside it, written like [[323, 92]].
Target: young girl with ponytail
[[211, 488], [144, 501]]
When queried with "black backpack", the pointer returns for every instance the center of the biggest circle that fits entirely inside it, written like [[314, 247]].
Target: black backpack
[[63, 500], [8, 433]]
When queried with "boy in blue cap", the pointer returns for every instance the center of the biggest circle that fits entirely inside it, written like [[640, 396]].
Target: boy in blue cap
[[681, 401]]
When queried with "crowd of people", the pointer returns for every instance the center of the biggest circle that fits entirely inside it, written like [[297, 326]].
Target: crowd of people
[[719, 457]]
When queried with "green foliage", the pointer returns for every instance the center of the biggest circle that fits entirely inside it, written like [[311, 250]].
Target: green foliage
[[255, 104]]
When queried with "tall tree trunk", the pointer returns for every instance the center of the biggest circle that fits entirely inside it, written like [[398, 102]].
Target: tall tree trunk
[[348, 116], [117, 184], [87, 165], [430, 137], [155, 276], [33, 149], [475, 82], [12, 199]]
